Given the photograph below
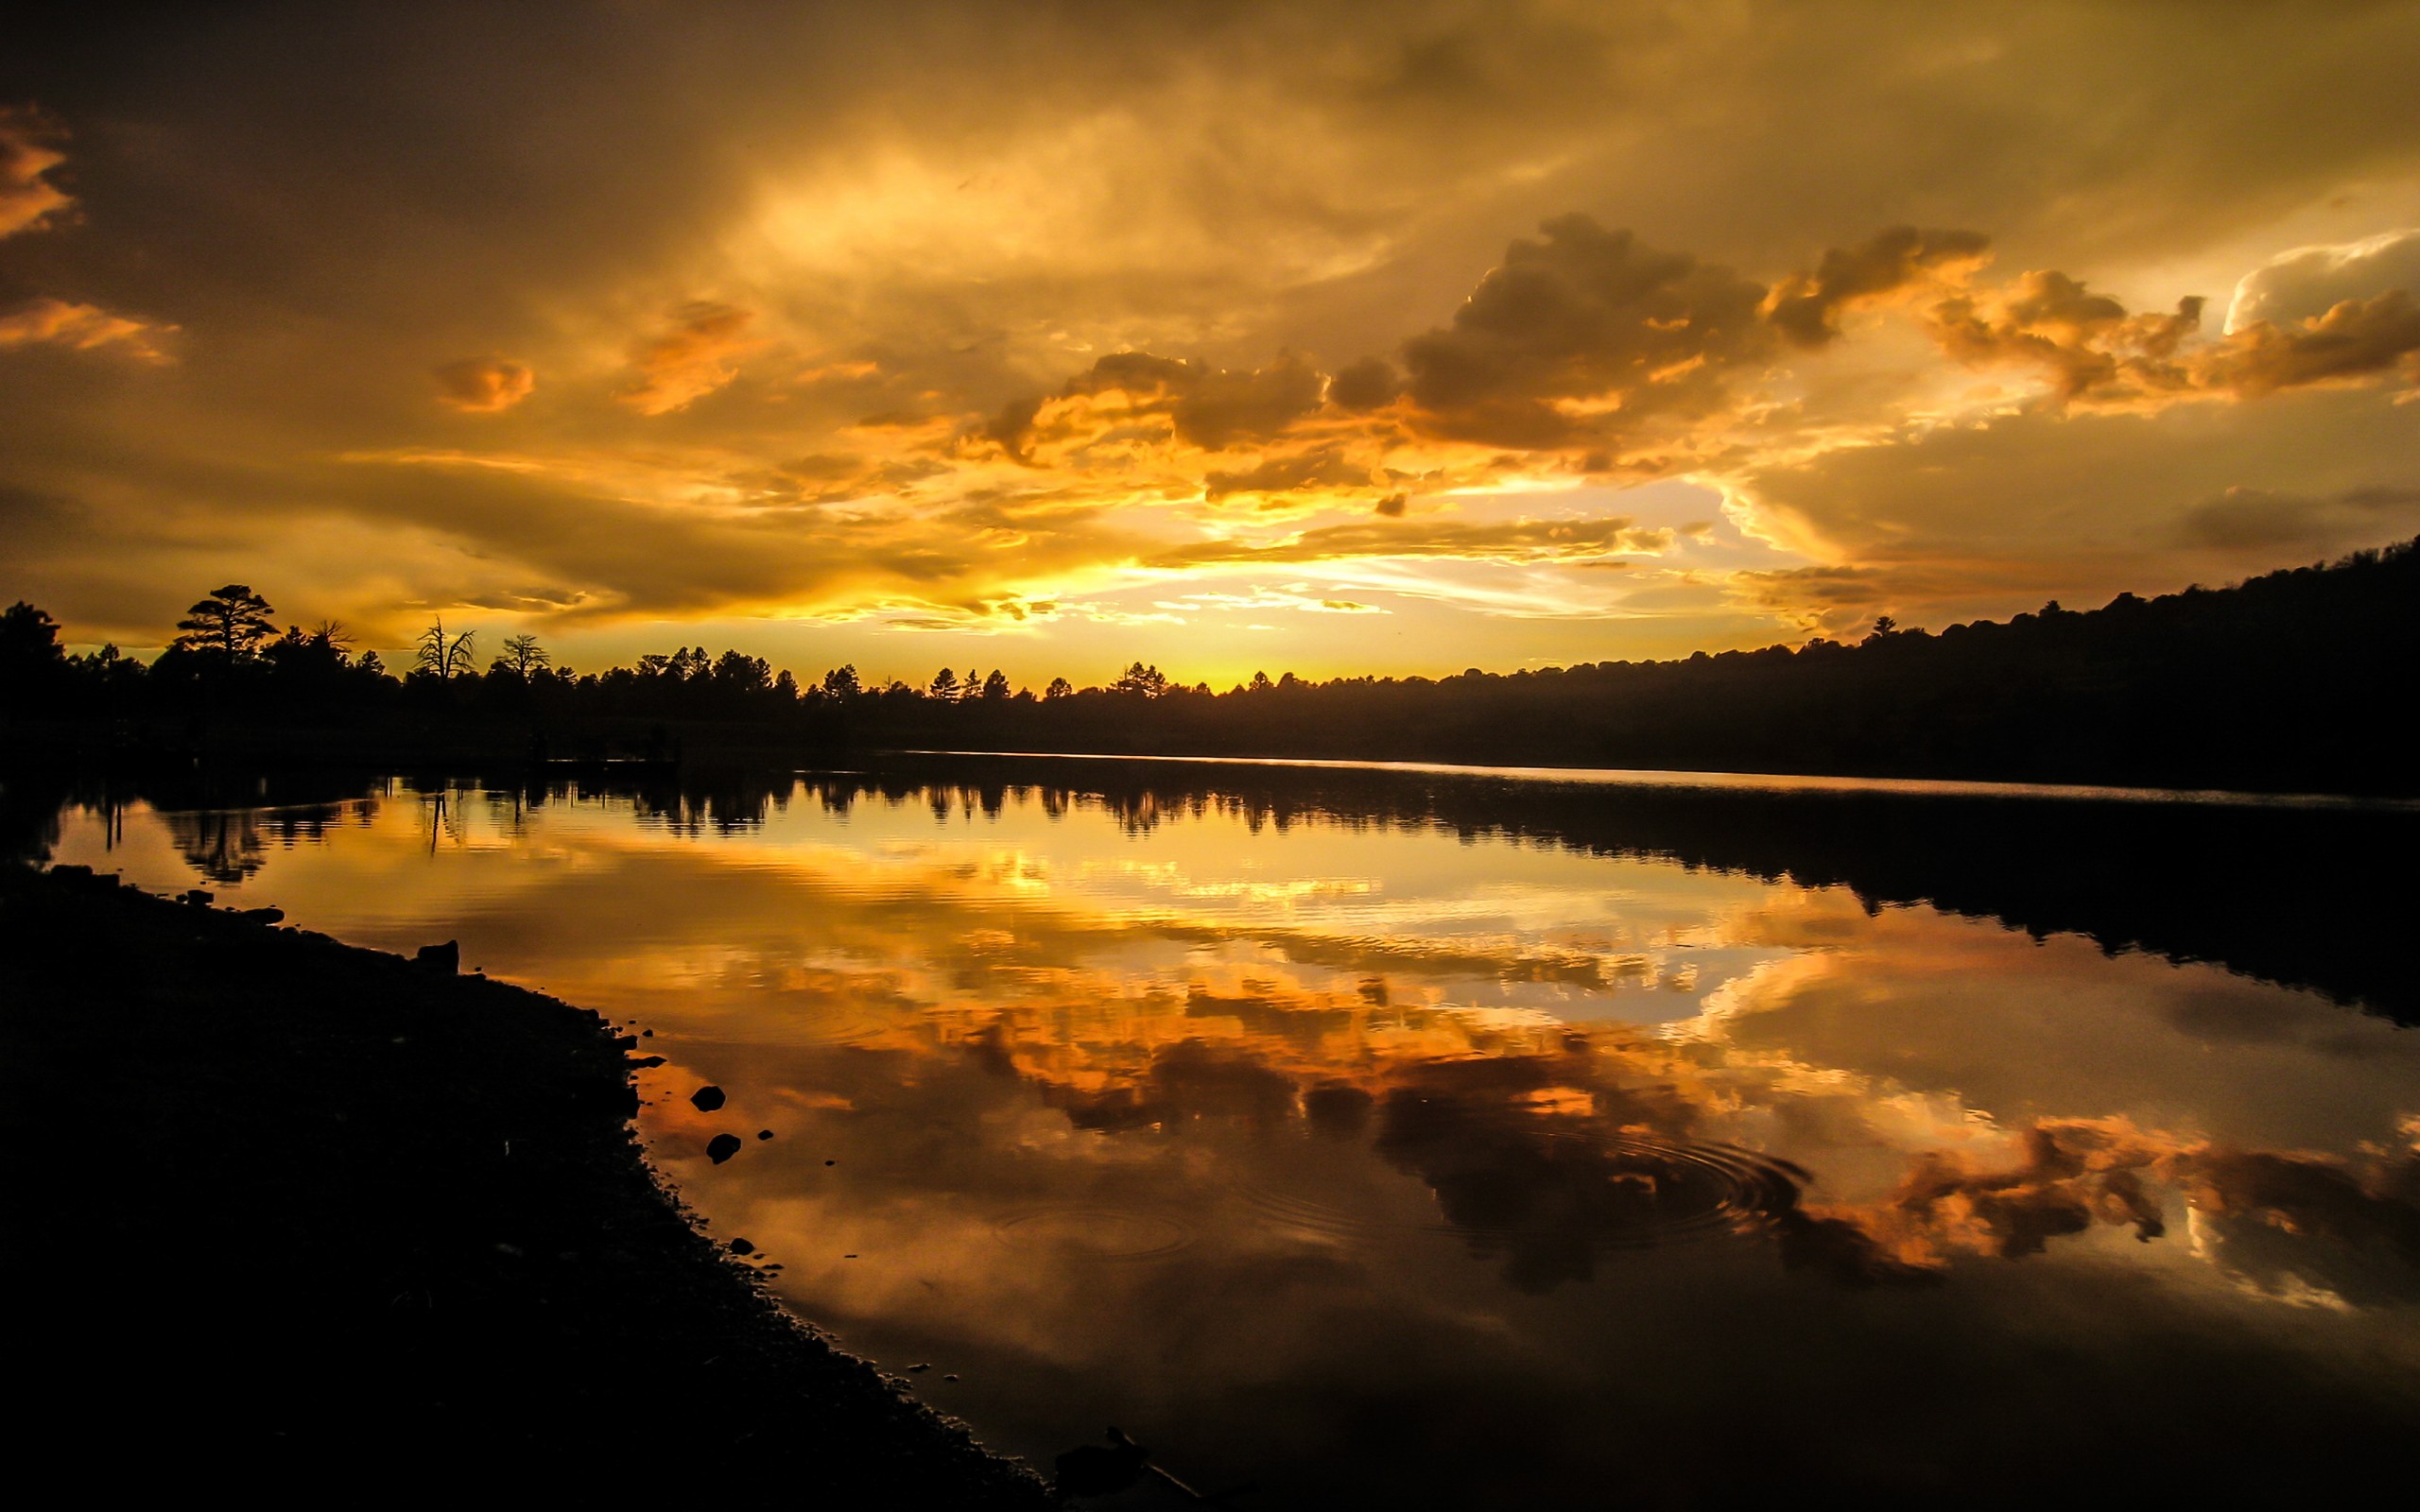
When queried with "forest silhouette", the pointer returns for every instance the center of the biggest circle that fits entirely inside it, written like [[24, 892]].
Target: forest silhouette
[[2284, 683], [2284, 893]]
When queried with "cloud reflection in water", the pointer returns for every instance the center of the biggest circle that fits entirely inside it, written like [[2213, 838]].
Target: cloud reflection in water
[[1343, 1156]]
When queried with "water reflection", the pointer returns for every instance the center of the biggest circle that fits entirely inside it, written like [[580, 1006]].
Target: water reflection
[[1387, 1145]]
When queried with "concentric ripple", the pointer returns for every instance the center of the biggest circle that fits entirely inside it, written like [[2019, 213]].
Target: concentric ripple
[[1610, 1191], [1096, 1233]]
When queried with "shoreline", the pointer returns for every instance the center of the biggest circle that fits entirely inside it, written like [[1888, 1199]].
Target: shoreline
[[316, 1221]]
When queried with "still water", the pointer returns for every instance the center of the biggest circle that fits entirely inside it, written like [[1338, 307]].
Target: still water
[[1439, 1146]]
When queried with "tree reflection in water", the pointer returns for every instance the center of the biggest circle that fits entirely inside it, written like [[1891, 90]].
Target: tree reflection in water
[[1428, 1140]]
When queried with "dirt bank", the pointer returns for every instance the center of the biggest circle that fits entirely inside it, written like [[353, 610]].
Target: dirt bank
[[314, 1224]]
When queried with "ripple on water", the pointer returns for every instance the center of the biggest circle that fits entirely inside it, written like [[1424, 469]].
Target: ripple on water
[[1096, 1234], [1613, 1191]]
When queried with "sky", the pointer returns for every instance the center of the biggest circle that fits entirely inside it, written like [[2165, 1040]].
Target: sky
[[1327, 338]]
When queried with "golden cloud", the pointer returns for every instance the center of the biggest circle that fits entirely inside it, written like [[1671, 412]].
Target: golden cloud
[[81, 328], [1518, 540], [2072, 1175], [1806, 307], [2087, 342], [2097, 353], [1140, 393], [1276, 185], [28, 197], [692, 359]]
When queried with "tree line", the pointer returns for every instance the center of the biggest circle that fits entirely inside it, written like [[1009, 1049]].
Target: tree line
[[2291, 681]]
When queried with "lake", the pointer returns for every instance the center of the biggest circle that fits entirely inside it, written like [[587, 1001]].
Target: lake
[[1405, 1138]]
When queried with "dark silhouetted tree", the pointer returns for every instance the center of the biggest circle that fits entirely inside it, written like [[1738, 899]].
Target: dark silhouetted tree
[[31, 659], [445, 657], [29, 637], [1142, 681], [232, 621], [522, 657]]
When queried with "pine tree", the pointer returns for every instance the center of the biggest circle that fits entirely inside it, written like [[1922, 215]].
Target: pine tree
[[232, 621]]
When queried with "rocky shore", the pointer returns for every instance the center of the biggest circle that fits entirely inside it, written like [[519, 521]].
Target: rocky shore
[[317, 1225]]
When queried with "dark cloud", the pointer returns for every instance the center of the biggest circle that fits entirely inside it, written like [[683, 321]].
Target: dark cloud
[[1836, 586], [1186, 1080], [1226, 408], [2357, 339], [1214, 408], [1321, 467], [1584, 313], [2248, 516], [2325, 1199], [483, 386], [1549, 1161], [1369, 384], [1806, 307], [1012, 429]]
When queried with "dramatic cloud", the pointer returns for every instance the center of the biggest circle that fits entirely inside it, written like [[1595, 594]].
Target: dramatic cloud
[[2087, 342], [1116, 301], [1318, 467], [1583, 336], [2356, 340], [1364, 384], [2095, 352], [483, 386], [1210, 408], [1807, 306]]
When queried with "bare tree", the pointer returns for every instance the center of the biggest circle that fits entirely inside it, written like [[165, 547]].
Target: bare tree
[[523, 656], [448, 657]]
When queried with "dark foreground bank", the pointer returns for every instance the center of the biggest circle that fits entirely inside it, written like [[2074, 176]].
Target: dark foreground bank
[[309, 1223]]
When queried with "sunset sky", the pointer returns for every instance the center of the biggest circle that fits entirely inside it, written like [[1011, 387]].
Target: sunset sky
[[1384, 338]]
